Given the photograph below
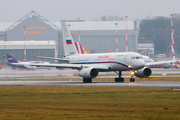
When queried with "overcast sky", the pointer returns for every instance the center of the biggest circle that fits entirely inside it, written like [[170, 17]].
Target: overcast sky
[[55, 10]]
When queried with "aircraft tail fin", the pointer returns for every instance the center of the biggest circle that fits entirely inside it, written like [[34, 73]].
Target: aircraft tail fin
[[80, 49], [10, 58], [68, 42]]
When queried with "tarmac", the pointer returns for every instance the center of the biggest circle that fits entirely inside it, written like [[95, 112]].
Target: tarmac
[[99, 83], [69, 73]]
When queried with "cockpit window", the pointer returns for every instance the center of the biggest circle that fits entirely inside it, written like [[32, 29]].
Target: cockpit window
[[137, 57]]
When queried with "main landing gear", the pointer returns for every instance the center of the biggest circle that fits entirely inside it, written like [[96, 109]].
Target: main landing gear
[[87, 80], [120, 79], [132, 79]]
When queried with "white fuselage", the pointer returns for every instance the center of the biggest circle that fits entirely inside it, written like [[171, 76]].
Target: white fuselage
[[114, 61]]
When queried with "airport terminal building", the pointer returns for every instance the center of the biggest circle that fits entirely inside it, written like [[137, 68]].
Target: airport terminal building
[[44, 38]]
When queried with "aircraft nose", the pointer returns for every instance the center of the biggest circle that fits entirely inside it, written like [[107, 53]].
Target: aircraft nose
[[138, 64]]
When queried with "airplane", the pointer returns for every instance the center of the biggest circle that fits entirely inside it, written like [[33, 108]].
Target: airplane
[[147, 58], [81, 50], [166, 66], [89, 65], [10, 60]]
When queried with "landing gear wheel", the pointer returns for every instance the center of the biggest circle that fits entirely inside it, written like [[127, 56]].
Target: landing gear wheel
[[87, 80], [90, 80], [116, 79], [132, 79], [119, 79], [84, 80], [122, 80]]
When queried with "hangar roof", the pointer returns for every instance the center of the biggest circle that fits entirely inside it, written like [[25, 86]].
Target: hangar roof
[[74, 25], [101, 25], [31, 42], [88, 25]]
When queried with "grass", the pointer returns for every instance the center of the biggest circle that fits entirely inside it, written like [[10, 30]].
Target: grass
[[88, 102]]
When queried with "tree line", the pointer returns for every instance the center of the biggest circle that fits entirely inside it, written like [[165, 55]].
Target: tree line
[[159, 28]]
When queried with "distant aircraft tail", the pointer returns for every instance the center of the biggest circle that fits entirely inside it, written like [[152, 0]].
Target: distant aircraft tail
[[10, 58], [68, 42], [80, 49]]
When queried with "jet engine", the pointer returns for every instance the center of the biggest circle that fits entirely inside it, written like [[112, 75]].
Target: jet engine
[[88, 72], [143, 73]]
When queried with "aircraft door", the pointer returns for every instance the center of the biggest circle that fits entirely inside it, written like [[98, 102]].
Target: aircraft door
[[125, 59], [87, 60]]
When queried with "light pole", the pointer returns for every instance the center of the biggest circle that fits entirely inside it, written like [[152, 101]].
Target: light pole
[[24, 43], [126, 36], [78, 31], [4, 50], [172, 40], [80, 50], [116, 38]]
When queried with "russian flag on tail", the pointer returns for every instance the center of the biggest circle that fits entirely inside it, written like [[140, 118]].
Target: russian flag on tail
[[68, 42]]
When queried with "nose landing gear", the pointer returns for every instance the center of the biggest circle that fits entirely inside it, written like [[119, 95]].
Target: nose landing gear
[[132, 74]]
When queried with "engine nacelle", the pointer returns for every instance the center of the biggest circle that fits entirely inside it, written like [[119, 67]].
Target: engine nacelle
[[88, 72], [143, 73]]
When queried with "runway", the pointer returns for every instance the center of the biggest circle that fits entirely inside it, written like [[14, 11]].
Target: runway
[[69, 73], [80, 83]]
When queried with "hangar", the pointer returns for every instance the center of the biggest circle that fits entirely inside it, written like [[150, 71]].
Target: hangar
[[34, 31]]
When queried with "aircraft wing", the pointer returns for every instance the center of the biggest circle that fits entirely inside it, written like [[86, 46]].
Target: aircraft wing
[[155, 63], [73, 66], [99, 67], [51, 58]]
